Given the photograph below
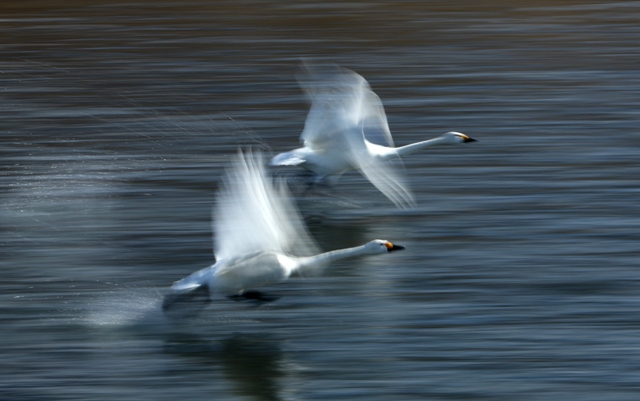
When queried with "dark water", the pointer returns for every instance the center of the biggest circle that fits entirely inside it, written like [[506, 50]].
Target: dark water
[[520, 280]]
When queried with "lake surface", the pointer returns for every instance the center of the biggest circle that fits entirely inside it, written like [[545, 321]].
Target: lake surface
[[520, 280]]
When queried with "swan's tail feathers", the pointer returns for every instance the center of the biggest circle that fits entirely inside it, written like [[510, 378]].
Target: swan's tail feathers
[[253, 295], [287, 159], [186, 303]]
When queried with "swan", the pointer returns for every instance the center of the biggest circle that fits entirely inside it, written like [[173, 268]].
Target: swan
[[346, 129], [259, 240]]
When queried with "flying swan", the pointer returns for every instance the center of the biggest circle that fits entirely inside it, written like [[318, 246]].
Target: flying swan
[[347, 129], [259, 240]]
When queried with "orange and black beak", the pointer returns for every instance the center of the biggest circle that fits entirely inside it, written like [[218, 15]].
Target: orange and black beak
[[391, 247], [469, 139]]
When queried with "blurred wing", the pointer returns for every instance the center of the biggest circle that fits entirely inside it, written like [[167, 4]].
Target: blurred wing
[[336, 101], [345, 111], [386, 175], [340, 100], [374, 120], [253, 215], [390, 180]]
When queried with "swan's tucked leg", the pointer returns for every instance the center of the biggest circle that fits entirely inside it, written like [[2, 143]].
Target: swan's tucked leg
[[332, 179], [187, 303], [321, 183], [253, 295]]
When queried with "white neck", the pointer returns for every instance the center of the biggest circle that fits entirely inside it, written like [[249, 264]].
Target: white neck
[[408, 149], [320, 260]]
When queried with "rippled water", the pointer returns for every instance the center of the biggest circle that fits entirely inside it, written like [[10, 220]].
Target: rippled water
[[520, 279]]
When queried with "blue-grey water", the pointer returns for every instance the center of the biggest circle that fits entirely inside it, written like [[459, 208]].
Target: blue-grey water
[[520, 280]]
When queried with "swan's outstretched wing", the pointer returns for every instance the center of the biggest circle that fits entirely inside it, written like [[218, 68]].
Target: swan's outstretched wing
[[345, 111], [340, 100], [374, 120], [251, 214], [335, 102], [388, 176]]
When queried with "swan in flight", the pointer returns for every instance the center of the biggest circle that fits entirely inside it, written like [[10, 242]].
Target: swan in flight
[[259, 240], [347, 129]]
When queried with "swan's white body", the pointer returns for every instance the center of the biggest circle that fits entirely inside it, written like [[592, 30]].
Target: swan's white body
[[347, 129], [260, 237], [235, 275]]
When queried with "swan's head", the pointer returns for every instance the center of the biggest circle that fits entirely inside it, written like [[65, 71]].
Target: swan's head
[[381, 246], [457, 137]]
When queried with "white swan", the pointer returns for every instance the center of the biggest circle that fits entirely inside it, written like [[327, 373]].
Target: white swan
[[347, 129], [259, 240]]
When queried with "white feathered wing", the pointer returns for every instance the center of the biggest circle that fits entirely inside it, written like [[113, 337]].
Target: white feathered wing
[[251, 214], [344, 112]]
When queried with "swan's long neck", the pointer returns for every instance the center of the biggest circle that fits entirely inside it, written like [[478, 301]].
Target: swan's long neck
[[414, 147], [320, 260]]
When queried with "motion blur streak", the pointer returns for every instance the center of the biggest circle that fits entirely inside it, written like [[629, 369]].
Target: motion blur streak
[[520, 279]]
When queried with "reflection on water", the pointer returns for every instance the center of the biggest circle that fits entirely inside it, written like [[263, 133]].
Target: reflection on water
[[520, 277], [252, 364]]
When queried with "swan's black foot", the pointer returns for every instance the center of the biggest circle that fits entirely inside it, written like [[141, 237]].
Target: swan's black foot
[[253, 295], [186, 304]]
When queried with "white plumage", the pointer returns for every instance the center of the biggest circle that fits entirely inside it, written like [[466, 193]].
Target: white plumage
[[347, 129], [259, 239]]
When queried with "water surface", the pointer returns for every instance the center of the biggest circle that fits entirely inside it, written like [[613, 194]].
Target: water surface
[[520, 277]]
